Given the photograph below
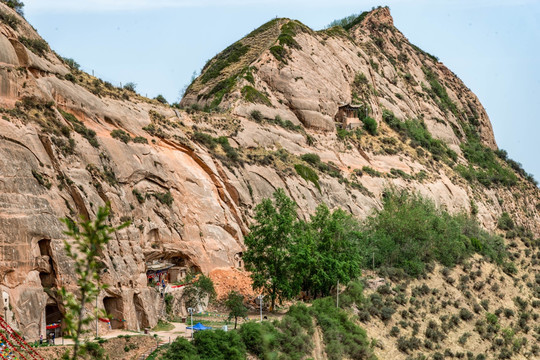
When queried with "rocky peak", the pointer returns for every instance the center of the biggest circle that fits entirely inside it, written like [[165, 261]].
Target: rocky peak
[[379, 16], [190, 179]]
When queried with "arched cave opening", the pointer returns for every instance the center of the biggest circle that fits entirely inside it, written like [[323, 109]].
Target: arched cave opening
[[114, 308], [53, 320]]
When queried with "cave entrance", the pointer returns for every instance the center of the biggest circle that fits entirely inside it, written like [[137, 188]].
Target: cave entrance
[[45, 264], [114, 308], [142, 318], [53, 321]]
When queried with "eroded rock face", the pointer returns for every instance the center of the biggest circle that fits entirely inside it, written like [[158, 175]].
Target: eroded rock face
[[189, 203]]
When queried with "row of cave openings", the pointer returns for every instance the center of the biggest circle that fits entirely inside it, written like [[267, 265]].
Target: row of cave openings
[[175, 270], [54, 315]]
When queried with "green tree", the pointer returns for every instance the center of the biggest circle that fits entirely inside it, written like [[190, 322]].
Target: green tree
[[161, 99], [130, 86], [181, 349], [235, 304], [15, 5], [220, 345], [199, 290], [85, 249], [327, 251], [268, 244]]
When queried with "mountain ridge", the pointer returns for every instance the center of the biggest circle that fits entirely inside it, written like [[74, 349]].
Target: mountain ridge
[[189, 179]]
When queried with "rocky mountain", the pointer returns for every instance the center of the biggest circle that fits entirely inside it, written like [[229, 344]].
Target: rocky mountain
[[334, 116]]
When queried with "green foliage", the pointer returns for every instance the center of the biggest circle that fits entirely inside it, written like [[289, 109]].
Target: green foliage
[[505, 222], [140, 140], [73, 65], [37, 46], [370, 125], [371, 172], [256, 115], [130, 86], [223, 87], [181, 349], [229, 56], [219, 345], [410, 232], [438, 92], [326, 251], [11, 20], [360, 79], [138, 195], [286, 124], [41, 180], [342, 337], [516, 166], [235, 304], [80, 128], [164, 198], [279, 53], [268, 243], [199, 290], [121, 135], [312, 159], [160, 98], [308, 174], [212, 143], [350, 21], [16, 5], [254, 96], [288, 32], [85, 248], [418, 134]]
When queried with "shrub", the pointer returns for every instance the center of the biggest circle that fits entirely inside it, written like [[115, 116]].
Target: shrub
[[343, 338], [279, 53], [160, 98], [465, 314], [140, 140], [370, 171], [230, 55], [312, 159], [37, 46], [16, 5], [11, 20], [121, 135], [410, 232], [80, 128], [254, 96], [308, 174], [130, 86], [138, 195], [505, 222], [256, 115], [71, 63], [164, 198], [370, 125], [181, 349]]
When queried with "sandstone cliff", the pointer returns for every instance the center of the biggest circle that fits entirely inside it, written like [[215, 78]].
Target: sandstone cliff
[[189, 179]]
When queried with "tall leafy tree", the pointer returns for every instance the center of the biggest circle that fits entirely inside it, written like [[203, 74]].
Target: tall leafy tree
[[327, 251], [268, 255], [235, 304]]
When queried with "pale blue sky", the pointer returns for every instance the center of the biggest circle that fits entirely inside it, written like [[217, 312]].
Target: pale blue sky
[[492, 45]]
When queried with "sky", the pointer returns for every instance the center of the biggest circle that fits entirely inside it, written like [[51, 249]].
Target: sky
[[492, 45]]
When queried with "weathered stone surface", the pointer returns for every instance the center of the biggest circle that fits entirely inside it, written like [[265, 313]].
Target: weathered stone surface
[[213, 197]]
